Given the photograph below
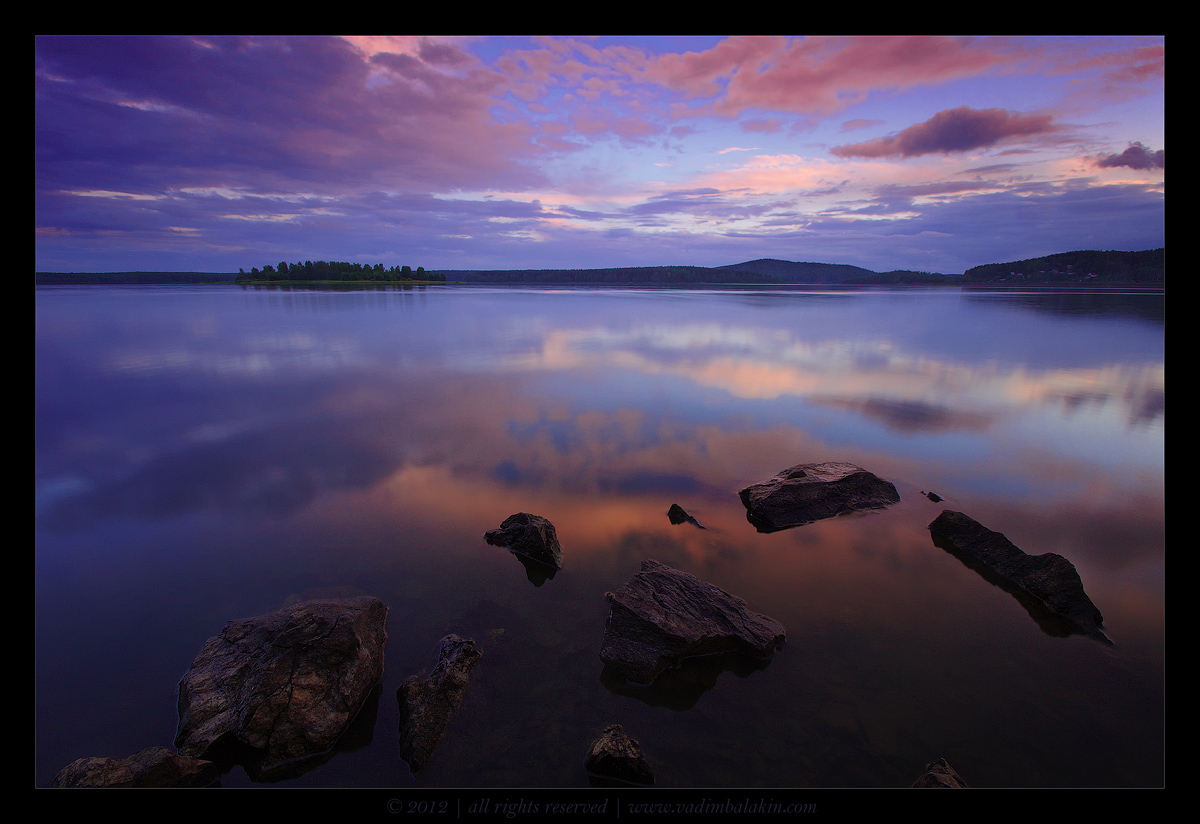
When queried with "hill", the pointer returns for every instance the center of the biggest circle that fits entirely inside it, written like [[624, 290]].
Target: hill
[[793, 272], [1087, 266]]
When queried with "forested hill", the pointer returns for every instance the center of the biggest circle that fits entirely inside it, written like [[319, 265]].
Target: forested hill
[[794, 272], [625, 275], [1088, 266]]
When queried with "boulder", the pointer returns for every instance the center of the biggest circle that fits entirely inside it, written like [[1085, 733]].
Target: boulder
[[811, 492], [426, 705], [285, 685], [679, 515], [941, 775], [531, 536], [616, 756], [151, 767], [662, 616], [1048, 585]]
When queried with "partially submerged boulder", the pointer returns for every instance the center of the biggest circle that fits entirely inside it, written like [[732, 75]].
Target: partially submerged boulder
[[679, 515], [940, 775], [531, 536], [616, 756], [426, 705], [151, 767], [812, 492], [662, 616], [286, 685], [1047, 584]]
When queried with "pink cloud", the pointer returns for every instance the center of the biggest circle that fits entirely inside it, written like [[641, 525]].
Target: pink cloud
[[817, 75], [952, 130]]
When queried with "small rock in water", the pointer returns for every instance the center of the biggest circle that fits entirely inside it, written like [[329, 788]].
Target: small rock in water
[[1049, 581], [812, 492], [529, 535], [426, 705], [941, 775], [662, 616], [679, 515], [933, 496], [614, 755], [151, 767]]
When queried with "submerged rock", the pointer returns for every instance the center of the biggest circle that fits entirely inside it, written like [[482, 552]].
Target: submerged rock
[[812, 492], [616, 756], [1048, 585], [662, 616], [941, 775], [285, 685], [531, 536], [679, 515], [426, 705], [151, 767]]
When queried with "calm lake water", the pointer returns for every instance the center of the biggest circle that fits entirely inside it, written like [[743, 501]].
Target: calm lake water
[[209, 453]]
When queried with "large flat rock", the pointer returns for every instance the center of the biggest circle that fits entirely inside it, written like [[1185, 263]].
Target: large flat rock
[[1048, 585], [151, 767], [286, 685], [811, 492], [662, 616]]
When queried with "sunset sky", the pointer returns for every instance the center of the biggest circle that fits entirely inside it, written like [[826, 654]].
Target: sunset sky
[[930, 153]]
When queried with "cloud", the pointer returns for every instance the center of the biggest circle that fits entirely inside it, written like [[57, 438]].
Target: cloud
[[952, 130], [1137, 156]]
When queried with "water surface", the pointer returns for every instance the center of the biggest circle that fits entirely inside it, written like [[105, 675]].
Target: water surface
[[210, 453]]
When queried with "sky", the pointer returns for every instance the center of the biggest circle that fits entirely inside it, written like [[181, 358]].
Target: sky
[[930, 153]]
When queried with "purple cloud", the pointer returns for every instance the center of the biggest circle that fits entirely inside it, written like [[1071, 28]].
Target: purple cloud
[[1137, 156], [952, 130]]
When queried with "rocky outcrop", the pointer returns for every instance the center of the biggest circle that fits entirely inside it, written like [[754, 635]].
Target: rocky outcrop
[[679, 515], [617, 757], [811, 492], [941, 775], [284, 685], [1047, 585], [151, 767], [531, 536], [662, 616], [426, 705]]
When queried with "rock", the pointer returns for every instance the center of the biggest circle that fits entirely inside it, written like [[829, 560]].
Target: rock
[[679, 515], [1047, 584], [940, 774], [614, 755], [531, 536], [662, 616], [151, 767], [933, 496], [811, 492], [287, 684], [426, 705]]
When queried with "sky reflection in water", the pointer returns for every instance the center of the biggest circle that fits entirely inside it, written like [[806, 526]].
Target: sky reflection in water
[[204, 454]]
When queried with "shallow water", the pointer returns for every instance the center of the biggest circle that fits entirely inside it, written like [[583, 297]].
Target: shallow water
[[211, 453]]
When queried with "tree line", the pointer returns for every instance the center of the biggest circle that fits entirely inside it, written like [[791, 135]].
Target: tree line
[[328, 270]]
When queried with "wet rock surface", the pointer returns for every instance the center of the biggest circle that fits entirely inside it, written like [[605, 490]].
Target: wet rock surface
[[427, 704], [940, 775], [151, 767], [285, 685], [662, 616], [530, 536], [618, 758], [1047, 585], [811, 492]]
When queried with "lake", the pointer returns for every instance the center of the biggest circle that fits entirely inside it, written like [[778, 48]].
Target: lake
[[207, 453]]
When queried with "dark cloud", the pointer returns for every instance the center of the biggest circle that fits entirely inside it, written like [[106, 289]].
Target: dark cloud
[[952, 130], [1137, 156]]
